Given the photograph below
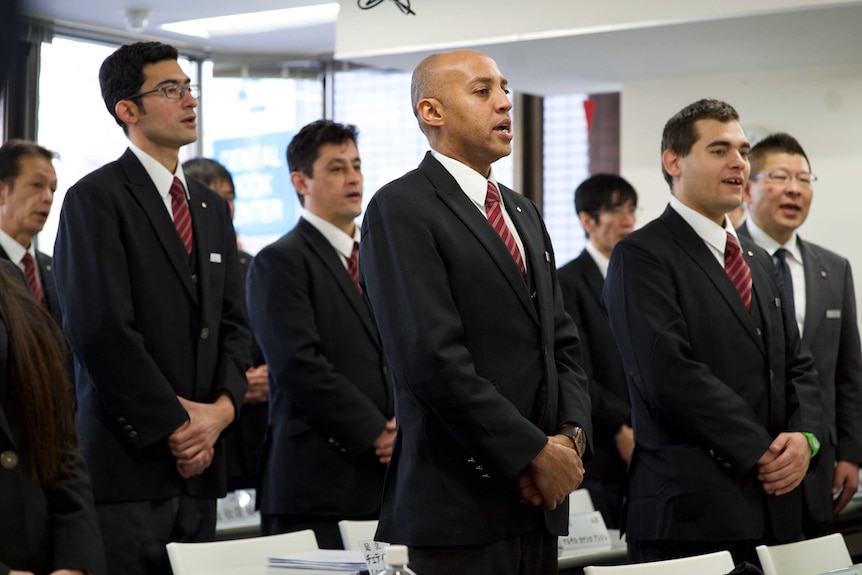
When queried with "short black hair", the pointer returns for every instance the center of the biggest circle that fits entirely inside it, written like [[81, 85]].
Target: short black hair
[[10, 157], [603, 191], [122, 73], [208, 171], [779, 143], [304, 148], [679, 133]]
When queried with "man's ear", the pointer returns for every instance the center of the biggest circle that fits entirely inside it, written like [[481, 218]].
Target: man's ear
[[298, 179], [672, 163], [430, 112], [127, 111], [587, 222]]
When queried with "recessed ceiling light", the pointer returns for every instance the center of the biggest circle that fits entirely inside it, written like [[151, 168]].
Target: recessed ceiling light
[[256, 22]]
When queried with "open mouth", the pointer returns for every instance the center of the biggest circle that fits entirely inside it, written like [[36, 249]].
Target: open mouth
[[504, 128], [733, 181]]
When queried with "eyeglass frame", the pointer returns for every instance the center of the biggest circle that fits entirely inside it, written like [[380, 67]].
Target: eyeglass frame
[[790, 177], [183, 88]]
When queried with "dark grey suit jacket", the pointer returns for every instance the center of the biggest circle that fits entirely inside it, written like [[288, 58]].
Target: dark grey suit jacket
[[710, 385], [330, 392], [147, 324], [484, 364], [831, 333]]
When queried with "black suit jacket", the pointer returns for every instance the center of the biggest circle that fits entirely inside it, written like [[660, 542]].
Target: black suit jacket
[[330, 392], [710, 386], [484, 365], [581, 284], [831, 333], [146, 326], [46, 277], [44, 526]]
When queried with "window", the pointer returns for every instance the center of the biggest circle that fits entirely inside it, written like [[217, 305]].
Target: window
[[248, 123], [566, 164]]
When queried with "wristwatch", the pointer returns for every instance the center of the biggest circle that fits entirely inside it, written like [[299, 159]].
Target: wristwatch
[[576, 434]]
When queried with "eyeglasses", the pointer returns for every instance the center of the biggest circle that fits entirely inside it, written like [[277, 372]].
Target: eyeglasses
[[617, 211], [172, 92], [781, 177]]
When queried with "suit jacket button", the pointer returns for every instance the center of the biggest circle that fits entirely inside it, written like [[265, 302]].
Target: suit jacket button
[[195, 278], [205, 333], [128, 428], [9, 460], [759, 332], [121, 420], [133, 434]]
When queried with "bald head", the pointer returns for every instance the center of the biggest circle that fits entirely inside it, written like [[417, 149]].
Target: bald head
[[429, 77]]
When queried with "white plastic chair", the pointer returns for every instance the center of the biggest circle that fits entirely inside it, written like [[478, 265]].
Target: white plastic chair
[[216, 556], [719, 563], [352, 532], [805, 557]]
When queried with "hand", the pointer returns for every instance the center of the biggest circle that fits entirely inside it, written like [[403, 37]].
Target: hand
[[194, 440], [845, 481], [258, 384], [384, 441], [527, 488], [783, 466], [624, 439], [556, 471], [57, 572]]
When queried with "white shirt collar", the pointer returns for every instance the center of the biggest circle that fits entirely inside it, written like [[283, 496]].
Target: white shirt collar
[[342, 242], [712, 234], [160, 175], [767, 242], [474, 184], [601, 261], [14, 250]]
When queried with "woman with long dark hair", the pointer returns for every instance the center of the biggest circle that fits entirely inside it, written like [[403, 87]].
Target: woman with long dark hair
[[48, 523]]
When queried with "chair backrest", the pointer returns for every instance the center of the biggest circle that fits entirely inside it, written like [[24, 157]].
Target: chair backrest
[[719, 563], [199, 558], [805, 557], [580, 502], [352, 532]]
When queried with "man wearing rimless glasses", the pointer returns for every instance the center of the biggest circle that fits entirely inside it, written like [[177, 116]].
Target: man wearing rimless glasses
[[148, 277], [819, 283]]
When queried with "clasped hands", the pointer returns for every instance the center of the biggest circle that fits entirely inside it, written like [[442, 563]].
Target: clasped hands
[[554, 473], [783, 466], [193, 443]]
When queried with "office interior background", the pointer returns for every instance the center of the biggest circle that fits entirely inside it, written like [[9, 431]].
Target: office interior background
[[626, 65]]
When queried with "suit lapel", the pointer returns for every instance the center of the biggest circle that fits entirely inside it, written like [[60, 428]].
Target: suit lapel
[[145, 193], [454, 197], [327, 255], [592, 276], [4, 346], [815, 305], [694, 246]]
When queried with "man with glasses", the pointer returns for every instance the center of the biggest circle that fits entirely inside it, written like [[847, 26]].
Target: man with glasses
[[150, 290], [818, 285], [606, 205]]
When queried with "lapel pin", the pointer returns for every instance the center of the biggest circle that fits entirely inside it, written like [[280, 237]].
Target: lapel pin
[[547, 257], [518, 208], [823, 273], [750, 253], [203, 204]]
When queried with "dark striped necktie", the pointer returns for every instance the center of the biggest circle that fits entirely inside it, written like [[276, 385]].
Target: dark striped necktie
[[495, 218], [737, 270], [182, 216]]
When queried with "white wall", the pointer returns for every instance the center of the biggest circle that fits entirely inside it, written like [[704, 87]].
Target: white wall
[[822, 108]]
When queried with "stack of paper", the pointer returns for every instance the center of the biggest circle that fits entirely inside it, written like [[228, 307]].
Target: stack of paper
[[327, 559]]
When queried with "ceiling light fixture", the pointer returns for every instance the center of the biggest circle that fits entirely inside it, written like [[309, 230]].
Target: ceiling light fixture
[[256, 22], [137, 19]]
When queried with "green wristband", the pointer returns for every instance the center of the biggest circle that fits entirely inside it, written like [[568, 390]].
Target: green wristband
[[813, 442]]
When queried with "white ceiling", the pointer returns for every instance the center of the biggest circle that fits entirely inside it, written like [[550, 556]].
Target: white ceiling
[[827, 35]]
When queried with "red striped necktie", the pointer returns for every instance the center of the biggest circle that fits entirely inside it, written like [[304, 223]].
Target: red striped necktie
[[353, 266], [737, 270], [32, 279], [182, 216], [495, 218]]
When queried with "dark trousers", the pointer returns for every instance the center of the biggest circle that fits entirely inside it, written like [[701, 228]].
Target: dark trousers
[[645, 551], [534, 553], [325, 529], [135, 532]]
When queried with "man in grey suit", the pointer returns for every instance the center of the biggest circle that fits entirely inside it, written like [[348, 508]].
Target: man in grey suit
[[27, 184], [820, 285]]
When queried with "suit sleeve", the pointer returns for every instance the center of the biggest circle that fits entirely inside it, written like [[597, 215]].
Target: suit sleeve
[[848, 378], [285, 323], [94, 286], [76, 537], [641, 297], [413, 297]]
